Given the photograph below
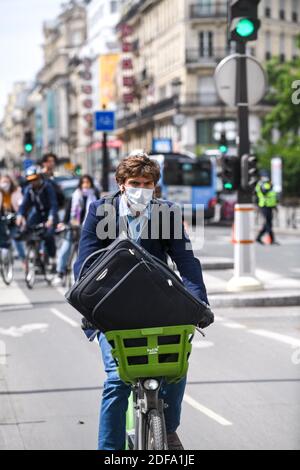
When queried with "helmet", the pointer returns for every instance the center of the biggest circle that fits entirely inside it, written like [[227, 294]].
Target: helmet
[[32, 173]]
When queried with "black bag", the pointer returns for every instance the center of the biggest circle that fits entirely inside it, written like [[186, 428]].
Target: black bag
[[127, 288]]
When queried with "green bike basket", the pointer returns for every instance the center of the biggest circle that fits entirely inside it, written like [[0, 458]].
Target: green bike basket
[[152, 352]]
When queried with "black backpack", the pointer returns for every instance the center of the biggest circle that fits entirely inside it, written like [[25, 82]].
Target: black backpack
[[127, 288]]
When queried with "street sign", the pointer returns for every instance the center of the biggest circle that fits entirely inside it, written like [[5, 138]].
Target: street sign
[[162, 145], [226, 80], [105, 121]]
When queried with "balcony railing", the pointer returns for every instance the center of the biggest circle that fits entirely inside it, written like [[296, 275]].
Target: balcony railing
[[213, 10], [201, 99], [148, 112], [205, 56]]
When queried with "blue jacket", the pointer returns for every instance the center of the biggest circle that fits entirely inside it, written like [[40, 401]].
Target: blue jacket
[[43, 200], [188, 266]]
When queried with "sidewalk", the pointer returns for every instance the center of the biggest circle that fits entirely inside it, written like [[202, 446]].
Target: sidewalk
[[278, 290]]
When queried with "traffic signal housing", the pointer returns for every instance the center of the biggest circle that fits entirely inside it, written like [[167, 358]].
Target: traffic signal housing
[[243, 20], [249, 172], [231, 173], [223, 144], [28, 142]]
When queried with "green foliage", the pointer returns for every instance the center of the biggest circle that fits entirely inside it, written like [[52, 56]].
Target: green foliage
[[285, 118]]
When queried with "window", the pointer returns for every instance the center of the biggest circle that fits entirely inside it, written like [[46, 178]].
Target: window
[[268, 9], [295, 11], [114, 6], [282, 10], [268, 45], [187, 173], [206, 44], [76, 38], [282, 47]]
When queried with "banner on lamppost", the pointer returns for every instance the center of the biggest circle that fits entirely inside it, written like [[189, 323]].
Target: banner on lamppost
[[108, 65]]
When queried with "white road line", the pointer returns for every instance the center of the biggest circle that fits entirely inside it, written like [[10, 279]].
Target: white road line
[[234, 325], [64, 318], [278, 337], [202, 344], [206, 411]]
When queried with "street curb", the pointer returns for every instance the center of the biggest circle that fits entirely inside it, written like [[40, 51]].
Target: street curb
[[216, 266], [255, 300]]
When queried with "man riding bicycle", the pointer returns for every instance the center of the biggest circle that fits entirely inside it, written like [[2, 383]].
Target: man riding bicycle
[[137, 177], [39, 206]]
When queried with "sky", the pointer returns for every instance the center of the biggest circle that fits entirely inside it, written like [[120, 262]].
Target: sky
[[21, 25]]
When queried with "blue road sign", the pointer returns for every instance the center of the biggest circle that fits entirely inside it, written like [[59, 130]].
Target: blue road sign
[[105, 121], [162, 145], [27, 163]]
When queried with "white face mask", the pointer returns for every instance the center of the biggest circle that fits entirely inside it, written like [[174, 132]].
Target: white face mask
[[138, 198], [5, 187]]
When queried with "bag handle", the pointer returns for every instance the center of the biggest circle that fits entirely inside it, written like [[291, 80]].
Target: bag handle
[[88, 258]]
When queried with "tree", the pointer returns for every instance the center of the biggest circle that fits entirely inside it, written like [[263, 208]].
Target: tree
[[285, 119]]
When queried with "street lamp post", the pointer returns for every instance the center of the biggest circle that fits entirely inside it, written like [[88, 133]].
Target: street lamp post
[[178, 119]]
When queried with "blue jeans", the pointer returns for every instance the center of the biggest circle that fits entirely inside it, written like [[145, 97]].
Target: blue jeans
[[34, 219], [64, 253], [112, 429]]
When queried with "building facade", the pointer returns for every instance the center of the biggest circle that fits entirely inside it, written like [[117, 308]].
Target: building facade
[[176, 46], [63, 39], [14, 123]]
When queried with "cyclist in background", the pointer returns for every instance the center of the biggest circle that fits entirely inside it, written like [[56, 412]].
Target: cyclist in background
[[10, 199], [48, 164], [75, 215], [39, 205]]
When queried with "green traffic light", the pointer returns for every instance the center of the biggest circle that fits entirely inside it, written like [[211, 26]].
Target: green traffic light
[[28, 148], [223, 149], [228, 186], [245, 28]]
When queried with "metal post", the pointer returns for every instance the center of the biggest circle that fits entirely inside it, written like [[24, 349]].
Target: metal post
[[244, 254], [105, 164]]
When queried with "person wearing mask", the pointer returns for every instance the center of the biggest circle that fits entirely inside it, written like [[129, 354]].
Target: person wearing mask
[[267, 203], [39, 205], [75, 215], [137, 176], [10, 200]]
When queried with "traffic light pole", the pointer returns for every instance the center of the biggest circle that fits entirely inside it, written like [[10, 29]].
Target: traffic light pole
[[244, 255], [243, 115], [105, 164]]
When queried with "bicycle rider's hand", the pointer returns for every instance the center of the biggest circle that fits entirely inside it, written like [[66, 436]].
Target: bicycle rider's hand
[[20, 221], [49, 223], [207, 318]]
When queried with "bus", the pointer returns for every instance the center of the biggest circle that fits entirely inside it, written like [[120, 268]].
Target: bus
[[188, 181]]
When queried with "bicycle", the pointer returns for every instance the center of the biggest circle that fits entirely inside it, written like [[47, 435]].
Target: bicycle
[[37, 259], [145, 358], [7, 254], [73, 232]]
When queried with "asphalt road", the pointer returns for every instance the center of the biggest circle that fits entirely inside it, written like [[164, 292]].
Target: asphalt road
[[243, 387]]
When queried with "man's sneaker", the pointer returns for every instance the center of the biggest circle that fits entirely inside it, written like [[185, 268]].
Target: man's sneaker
[[174, 442], [57, 281], [258, 240]]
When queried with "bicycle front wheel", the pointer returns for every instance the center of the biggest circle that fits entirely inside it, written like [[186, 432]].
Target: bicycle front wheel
[[156, 438], [7, 263]]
